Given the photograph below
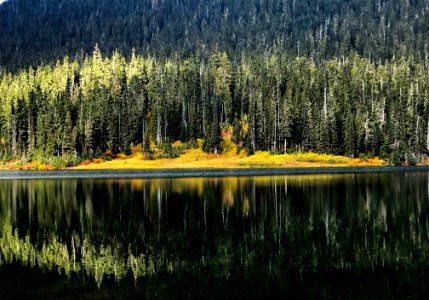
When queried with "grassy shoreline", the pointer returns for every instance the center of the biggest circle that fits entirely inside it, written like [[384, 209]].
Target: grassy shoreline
[[197, 159]]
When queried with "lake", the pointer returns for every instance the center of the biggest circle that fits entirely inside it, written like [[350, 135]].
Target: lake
[[304, 236]]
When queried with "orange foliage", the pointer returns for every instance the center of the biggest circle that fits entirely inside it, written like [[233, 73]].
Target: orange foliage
[[47, 167], [373, 161], [121, 156], [34, 165], [137, 149], [85, 163], [227, 133], [212, 156], [97, 160], [109, 153]]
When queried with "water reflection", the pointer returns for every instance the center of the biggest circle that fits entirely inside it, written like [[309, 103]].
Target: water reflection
[[223, 228]]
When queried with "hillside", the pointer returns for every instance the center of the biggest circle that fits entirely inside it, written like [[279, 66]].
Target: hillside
[[41, 31]]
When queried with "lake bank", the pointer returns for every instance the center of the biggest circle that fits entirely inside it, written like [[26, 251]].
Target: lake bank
[[180, 173], [197, 159]]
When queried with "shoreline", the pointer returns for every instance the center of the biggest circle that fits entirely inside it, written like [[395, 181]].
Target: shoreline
[[203, 172]]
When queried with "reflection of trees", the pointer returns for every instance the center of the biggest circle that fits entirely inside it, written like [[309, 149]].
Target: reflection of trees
[[225, 228]]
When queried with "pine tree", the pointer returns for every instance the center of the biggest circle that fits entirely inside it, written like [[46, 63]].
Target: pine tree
[[349, 134], [68, 142], [89, 139]]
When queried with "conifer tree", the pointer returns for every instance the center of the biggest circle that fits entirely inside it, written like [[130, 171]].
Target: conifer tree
[[68, 142]]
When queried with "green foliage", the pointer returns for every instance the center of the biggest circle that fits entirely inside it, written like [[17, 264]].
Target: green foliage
[[6, 157], [149, 154], [381, 31], [127, 151], [214, 139], [106, 158], [395, 158], [366, 156], [98, 153], [167, 151], [85, 155], [57, 162], [385, 151], [273, 103], [411, 159]]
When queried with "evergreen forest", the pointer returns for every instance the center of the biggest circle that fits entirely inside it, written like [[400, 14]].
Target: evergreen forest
[[79, 78]]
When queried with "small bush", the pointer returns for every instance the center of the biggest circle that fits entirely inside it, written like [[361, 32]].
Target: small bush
[[121, 156], [85, 163], [167, 150], [395, 158], [57, 162], [106, 157], [97, 160], [164, 151], [148, 154], [46, 167], [6, 157], [411, 159], [137, 149], [200, 143], [128, 151], [228, 145], [98, 153]]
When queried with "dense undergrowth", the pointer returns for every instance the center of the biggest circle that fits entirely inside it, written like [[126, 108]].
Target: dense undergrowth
[[191, 155]]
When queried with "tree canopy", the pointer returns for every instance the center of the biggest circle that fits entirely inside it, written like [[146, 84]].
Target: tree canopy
[[348, 106], [42, 31]]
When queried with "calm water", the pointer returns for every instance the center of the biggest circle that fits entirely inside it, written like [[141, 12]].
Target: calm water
[[307, 236]]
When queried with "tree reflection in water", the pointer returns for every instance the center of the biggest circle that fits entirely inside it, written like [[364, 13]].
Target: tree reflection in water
[[276, 231]]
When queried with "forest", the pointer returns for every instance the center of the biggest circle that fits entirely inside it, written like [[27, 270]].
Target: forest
[[35, 32], [83, 78], [347, 106]]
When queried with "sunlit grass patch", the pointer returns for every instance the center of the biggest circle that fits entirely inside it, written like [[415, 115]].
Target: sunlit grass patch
[[26, 166], [373, 161], [265, 159], [191, 156], [318, 158], [196, 158]]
